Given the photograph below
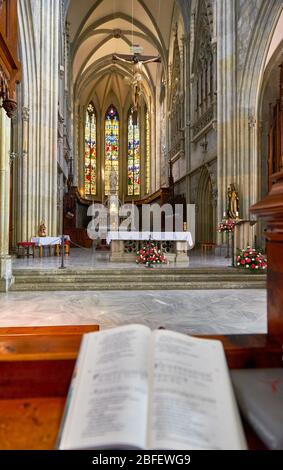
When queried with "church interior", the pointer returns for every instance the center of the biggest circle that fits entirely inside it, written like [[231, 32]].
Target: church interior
[[119, 103]]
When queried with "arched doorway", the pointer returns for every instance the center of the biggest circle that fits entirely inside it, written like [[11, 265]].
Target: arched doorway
[[205, 209]]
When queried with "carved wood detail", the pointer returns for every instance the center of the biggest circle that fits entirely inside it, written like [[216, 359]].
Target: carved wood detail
[[9, 64], [270, 209], [275, 150]]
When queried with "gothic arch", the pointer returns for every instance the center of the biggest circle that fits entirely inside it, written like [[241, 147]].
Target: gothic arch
[[205, 226], [268, 99], [248, 129]]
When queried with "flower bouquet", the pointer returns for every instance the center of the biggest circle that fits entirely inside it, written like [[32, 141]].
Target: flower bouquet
[[251, 259], [226, 226], [150, 255]]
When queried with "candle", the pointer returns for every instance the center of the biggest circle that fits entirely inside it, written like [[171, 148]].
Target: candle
[[224, 214]]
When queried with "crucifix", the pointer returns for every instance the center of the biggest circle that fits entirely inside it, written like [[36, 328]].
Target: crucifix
[[138, 61]]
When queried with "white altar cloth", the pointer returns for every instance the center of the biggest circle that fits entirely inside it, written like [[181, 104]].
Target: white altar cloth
[[156, 236], [47, 241]]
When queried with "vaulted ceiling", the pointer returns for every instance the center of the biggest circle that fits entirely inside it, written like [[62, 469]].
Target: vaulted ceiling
[[101, 28]]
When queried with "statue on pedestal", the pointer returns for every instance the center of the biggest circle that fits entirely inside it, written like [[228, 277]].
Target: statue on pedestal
[[113, 182], [233, 205], [42, 230]]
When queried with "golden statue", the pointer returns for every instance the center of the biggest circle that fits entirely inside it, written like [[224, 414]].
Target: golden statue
[[42, 230], [233, 206]]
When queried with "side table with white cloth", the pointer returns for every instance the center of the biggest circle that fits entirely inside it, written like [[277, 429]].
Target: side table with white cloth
[[124, 245], [50, 242]]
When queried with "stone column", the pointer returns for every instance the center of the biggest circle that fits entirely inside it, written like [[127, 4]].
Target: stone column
[[143, 151], [226, 100], [39, 24], [6, 277], [24, 175], [156, 137]]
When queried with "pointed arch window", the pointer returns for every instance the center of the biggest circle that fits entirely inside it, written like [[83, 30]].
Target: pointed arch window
[[111, 147], [147, 151], [90, 151], [134, 159]]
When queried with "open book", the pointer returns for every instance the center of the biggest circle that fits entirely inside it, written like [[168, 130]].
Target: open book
[[137, 389]]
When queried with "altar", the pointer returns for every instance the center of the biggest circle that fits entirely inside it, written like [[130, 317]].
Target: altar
[[125, 245], [50, 242]]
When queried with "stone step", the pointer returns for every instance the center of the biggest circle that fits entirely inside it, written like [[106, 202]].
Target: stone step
[[140, 287], [137, 285], [136, 279], [129, 273], [132, 271]]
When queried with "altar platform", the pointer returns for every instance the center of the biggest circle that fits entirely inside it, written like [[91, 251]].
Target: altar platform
[[89, 259], [87, 271]]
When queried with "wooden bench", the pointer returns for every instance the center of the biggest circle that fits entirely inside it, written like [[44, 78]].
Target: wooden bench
[[36, 366]]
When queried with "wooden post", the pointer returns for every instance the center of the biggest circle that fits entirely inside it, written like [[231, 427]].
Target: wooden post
[[270, 210]]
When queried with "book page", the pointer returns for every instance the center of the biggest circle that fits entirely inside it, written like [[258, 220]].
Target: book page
[[109, 403], [192, 405]]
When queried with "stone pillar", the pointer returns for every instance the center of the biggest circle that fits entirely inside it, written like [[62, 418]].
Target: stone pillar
[[24, 176], [226, 100], [6, 277], [156, 134], [143, 150], [40, 95]]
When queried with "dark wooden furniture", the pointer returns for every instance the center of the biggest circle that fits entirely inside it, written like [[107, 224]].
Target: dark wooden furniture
[[75, 217], [36, 366], [275, 137], [10, 74], [270, 209], [9, 64]]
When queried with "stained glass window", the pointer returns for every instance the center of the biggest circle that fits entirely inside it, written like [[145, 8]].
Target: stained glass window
[[111, 147], [134, 158], [147, 152], [90, 151]]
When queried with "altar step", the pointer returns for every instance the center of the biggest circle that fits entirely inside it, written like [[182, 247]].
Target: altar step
[[136, 279]]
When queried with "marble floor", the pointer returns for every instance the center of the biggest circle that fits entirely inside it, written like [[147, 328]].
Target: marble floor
[[89, 259], [192, 312]]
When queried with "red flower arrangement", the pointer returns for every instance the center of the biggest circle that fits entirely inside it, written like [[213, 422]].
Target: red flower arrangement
[[251, 259], [226, 226], [150, 254]]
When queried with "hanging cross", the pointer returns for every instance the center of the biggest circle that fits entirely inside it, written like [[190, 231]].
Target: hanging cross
[[138, 62]]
